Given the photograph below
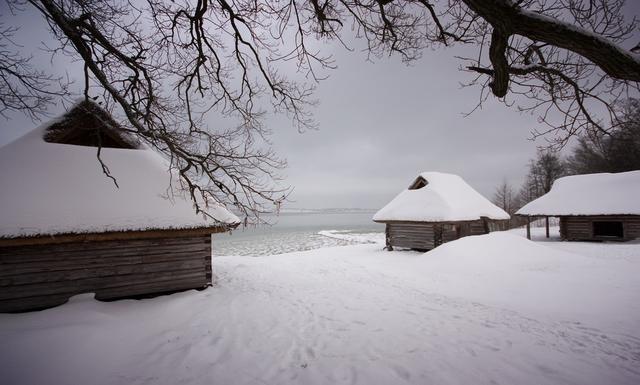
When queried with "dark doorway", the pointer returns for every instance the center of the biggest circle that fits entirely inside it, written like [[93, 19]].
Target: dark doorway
[[608, 229]]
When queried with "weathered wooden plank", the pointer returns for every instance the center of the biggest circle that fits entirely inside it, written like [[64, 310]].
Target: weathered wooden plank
[[111, 236], [7, 270], [393, 230], [111, 244], [28, 266], [410, 226], [406, 239], [116, 247], [152, 287], [150, 258], [91, 254], [411, 233], [88, 253], [413, 236], [102, 271], [416, 240], [416, 228], [94, 284], [32, 303], [412, 241], [46, 301], [413, 245], [414, 233]]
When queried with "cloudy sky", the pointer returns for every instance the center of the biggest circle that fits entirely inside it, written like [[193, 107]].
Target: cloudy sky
[[380, 124]]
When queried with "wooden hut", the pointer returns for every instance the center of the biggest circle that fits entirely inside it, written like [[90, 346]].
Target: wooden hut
[[436, 208], [591, 207], [65, 228]]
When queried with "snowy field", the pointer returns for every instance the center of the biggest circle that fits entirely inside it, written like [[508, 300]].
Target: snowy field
[[492, 309]]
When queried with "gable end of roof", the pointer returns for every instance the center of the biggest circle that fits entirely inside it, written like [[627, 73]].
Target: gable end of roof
[[87, 124]]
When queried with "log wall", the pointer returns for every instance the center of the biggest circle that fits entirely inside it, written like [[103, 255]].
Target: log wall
[[580, 228], [412, 235], [428, 235], [40, 276]]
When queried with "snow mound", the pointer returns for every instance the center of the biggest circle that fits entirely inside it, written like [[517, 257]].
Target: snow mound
[[590, 194], [445, 197], [510, 271], [498, 251]]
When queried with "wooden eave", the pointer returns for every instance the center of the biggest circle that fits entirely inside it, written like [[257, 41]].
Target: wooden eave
[[577, 215], [65, 136], [443, 222], [112, 236]]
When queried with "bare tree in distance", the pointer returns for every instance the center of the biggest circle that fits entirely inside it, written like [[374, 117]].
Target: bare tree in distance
[[617, 152], [165, 64], [505, 197], [543, 171]]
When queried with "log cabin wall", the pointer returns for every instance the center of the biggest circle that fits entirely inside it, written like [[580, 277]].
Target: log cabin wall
[[580, 228], [412, 235], [40, 276], [479, 227], [428, 235], [449, 232]]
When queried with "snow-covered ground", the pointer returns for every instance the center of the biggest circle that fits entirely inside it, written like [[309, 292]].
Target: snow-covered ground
[[492, 309]]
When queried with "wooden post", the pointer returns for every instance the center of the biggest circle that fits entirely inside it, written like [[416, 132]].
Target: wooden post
[[387, 237], [528, 227], [546, 225]]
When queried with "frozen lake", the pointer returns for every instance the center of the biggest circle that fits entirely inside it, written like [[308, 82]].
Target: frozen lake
[[298, 232]]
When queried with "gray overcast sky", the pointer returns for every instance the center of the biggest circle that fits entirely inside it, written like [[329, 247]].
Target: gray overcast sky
[[379, 125]]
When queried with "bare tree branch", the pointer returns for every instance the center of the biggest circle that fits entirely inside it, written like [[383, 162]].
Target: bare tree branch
[[168, 67]]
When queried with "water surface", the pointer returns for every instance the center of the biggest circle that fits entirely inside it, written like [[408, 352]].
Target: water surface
[[297, 232]]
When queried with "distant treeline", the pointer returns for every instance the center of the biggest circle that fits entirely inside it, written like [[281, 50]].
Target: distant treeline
[[617, 150]]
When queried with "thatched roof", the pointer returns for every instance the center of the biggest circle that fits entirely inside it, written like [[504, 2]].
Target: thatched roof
[[57, 188], [87, 124], [589, 194], [439, 197]]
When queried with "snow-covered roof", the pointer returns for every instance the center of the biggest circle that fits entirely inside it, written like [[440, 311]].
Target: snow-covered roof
[[51, 188], [444, 198], [590, 194]]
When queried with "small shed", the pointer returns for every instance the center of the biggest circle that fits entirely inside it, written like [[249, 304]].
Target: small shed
[[591, 207], [436, 208], [65, 228]]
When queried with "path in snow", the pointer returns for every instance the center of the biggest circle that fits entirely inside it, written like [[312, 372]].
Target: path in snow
[[344, 315], [359, 325]]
